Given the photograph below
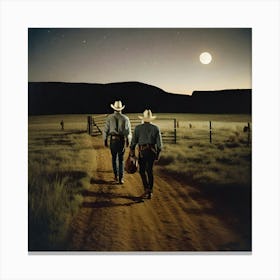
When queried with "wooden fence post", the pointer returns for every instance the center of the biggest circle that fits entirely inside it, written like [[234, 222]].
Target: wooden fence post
[[248, 139], [89, 125], [175, 131], [210, 131]]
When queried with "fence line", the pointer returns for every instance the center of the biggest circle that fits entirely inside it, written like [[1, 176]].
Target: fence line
[[96, 123], [171, 135], [215, 135]]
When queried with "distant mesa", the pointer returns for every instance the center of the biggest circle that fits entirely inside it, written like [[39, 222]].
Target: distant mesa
[[223, 101], [82, 98]]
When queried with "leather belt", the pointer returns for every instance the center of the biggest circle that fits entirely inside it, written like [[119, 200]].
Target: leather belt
[[146, 146]]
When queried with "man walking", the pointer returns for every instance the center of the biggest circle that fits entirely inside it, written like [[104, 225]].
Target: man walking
[[118, 129], [148, 138]]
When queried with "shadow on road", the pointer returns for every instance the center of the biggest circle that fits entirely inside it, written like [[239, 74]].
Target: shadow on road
[[98, 181], [105, 199]]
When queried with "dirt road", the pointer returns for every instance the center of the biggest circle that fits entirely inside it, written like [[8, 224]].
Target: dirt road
[[114, 218]]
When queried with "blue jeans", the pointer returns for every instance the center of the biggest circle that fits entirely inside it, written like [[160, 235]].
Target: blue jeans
[[117, 151], [146, 162]]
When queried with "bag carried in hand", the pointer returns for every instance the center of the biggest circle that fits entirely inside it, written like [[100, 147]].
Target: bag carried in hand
[[131, 164]]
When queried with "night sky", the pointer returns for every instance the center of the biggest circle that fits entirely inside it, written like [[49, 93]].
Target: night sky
[[166, 58]]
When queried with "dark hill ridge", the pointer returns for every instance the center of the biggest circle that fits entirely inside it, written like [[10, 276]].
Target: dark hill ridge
[[223, 101], [82, 98]]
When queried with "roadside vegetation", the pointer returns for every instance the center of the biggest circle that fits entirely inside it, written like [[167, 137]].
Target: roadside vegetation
[[60, 164], [225, 161]]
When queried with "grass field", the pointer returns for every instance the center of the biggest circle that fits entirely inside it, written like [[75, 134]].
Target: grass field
[[60, 164], [226, 160]]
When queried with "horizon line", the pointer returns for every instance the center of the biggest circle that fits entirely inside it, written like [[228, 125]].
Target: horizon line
[[91, 83]]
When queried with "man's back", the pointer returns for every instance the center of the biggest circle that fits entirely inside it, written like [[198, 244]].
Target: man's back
[[117, 124], [147, 133]]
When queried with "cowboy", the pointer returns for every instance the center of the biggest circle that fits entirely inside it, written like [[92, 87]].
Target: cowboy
[[118, 129], [148, 138]]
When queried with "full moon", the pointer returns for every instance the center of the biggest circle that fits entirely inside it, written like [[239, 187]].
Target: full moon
[[205, 58]]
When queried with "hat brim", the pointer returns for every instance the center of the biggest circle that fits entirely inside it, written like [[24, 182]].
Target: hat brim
[[117, 109], [147, 119]]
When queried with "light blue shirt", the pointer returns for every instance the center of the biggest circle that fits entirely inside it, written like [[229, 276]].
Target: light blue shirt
[[146, 133], [117, 124]]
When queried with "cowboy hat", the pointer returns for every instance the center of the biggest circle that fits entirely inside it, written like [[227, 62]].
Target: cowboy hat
[[147, 116], [117, 106]]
